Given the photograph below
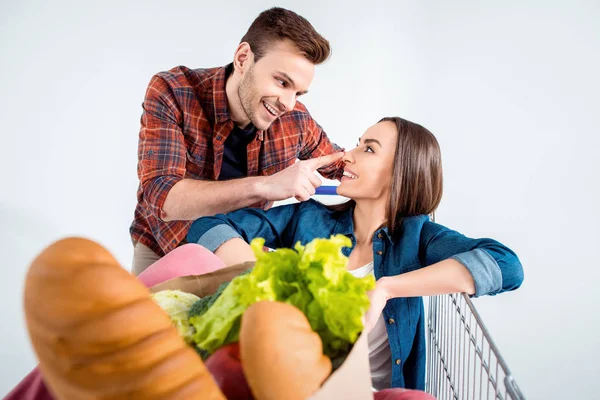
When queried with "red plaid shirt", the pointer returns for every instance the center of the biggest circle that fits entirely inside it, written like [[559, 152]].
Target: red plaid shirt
[[184, 125]]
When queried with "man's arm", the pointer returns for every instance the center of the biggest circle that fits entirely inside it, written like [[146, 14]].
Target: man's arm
[[191, 199]]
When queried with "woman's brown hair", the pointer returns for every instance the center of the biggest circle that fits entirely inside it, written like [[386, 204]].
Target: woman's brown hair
[[277, 24], [417, 183]]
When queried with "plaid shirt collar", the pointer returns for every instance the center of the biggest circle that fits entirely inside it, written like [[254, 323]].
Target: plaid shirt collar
[[220, 97]]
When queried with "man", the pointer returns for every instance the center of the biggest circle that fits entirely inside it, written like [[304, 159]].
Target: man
[[240, 123], [215, 140]]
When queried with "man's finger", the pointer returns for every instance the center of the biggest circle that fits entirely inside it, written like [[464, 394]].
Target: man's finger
[[326, 160], [302, 195], [314, 180], [268, 205], [309, 188]]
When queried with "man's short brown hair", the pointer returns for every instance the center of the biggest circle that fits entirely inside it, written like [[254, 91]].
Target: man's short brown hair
[[277, 24]]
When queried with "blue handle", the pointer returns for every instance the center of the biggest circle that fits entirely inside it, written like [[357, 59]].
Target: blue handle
[[326, 190]]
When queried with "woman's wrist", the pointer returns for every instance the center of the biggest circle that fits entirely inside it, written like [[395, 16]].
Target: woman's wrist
[[385, 284]]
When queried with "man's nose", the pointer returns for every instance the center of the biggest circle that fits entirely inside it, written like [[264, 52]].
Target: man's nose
[[288, 101]]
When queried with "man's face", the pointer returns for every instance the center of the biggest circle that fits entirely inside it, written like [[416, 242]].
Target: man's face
[[271, 86]]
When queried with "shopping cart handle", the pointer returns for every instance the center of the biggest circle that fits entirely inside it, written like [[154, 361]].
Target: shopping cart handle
[[326, 190]]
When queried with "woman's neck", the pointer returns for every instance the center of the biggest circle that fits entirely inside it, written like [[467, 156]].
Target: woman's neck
[[368, 217]]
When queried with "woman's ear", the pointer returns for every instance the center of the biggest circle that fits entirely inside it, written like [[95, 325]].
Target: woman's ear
[[243, 58]]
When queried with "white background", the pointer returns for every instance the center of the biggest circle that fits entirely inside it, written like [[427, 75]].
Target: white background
[[510, 89]]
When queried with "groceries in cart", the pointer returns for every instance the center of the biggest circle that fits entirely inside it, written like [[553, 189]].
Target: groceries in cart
[[137, 345]]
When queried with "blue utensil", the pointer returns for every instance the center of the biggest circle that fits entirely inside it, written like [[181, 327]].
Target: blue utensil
[[326, 190]]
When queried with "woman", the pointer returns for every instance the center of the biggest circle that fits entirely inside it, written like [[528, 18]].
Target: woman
[[394, 180]]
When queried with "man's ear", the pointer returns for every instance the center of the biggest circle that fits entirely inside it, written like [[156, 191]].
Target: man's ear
[[243, 58]]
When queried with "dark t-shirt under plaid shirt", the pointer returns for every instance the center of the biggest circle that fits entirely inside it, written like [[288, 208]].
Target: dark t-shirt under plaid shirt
[[235, 157], [184, 126]]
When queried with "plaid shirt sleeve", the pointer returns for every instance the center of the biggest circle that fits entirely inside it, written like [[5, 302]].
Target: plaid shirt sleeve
[[161, 149], [317, 144]]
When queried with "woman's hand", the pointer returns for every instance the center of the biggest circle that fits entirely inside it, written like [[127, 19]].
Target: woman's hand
[[378, 297]]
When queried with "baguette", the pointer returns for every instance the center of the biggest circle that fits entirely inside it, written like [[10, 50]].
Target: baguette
[[98, 334]]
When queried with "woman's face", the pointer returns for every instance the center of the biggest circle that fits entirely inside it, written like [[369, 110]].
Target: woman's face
[[368, 169]]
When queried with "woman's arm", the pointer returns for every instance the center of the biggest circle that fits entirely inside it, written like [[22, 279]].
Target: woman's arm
[[448, 276], [453, 263], [493, 267], [228, 235]]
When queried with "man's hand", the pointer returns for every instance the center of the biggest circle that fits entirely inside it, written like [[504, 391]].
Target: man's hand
[[298, 180]]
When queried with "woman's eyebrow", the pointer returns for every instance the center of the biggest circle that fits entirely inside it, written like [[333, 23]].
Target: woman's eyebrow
[[367, 141]]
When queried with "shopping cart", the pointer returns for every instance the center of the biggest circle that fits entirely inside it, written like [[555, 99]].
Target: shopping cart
[[463, 363]]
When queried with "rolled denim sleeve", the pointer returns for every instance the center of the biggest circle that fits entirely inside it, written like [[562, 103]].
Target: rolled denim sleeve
[[494, 267], [484, 269], [216, 236]]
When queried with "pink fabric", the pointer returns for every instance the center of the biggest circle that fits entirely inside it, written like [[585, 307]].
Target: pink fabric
[[402, 394], [32, 387], [189, 259]]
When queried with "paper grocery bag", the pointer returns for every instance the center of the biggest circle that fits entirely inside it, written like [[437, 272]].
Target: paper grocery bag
[[352, 380], [203, 285]]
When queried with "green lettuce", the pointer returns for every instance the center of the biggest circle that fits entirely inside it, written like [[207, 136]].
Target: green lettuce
[[313, 278], [177, 304]]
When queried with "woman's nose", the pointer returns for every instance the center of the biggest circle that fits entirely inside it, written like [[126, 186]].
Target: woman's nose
[[348, 158]]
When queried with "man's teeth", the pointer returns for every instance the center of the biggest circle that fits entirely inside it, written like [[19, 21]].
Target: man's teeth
[[350, 175], [270, 109]]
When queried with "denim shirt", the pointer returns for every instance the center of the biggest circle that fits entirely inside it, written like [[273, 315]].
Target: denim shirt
[[493, 266]]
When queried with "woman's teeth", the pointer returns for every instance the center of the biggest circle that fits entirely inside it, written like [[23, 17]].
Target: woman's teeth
[[350, 175], [270, 109]]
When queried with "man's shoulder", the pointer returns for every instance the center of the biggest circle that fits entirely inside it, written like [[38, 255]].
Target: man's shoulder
[[300, 108], [299, 115], [182, 76]]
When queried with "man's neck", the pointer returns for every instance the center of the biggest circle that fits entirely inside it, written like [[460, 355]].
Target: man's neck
[[368, 217], [236, 111]]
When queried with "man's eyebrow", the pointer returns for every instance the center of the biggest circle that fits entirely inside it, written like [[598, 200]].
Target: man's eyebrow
[[367, 141], [291, 81]]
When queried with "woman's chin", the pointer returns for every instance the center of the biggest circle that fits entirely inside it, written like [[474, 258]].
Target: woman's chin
[[342, 191]]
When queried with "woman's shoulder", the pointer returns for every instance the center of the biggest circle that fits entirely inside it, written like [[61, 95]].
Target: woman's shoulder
[[415, 227], [416, 223]]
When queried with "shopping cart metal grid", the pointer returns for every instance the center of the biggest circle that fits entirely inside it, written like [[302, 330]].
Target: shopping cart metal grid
[[463, 363]]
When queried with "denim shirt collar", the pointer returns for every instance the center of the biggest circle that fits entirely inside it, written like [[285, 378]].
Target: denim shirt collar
[[345, 226]]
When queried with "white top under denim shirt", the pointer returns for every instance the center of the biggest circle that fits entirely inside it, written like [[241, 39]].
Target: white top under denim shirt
[[419, 243], [380, 354]]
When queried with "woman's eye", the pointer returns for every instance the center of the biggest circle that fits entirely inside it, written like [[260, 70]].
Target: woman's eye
[[369, 149], [281, 82]]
